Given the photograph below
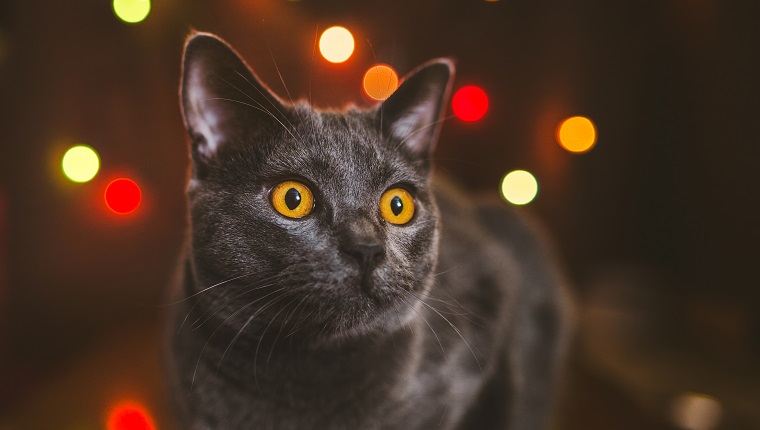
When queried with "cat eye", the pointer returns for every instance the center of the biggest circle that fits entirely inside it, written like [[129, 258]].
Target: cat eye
[[397, 206], [292, 199]]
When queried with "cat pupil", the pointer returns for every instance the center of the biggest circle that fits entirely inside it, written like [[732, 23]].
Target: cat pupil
[[292, 198], [396, 206]]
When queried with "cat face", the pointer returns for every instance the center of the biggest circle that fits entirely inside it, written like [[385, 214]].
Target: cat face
[[325, 220]]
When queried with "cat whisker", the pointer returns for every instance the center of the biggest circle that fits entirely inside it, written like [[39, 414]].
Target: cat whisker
[[261, 109], [184, 320], [461, 336], [258, 285], [451, 311], [206, 316], [313, 52], [206, 290], [282, 80], [372, 49], [205, 345], [414, 308], [250, 319], [272, 320], [282, 326], [424, 127], [234, 278], [297, 327], [285, 117]]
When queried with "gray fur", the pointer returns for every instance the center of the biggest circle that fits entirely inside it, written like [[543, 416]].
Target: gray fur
[[456, 326]]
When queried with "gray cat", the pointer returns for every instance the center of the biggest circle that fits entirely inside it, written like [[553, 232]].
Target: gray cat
[[331, 283]]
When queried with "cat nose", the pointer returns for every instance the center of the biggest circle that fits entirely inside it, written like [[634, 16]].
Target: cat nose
[[367, 254]]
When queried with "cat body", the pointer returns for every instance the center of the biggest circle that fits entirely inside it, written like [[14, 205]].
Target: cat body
[[326, 307]]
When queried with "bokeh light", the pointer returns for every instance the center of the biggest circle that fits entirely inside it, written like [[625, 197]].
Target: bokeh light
[[336, 44], [576, 134], [380, 81], [470, 103], [80, 163], [695, 411], [131, 11], [123, 195], [519, 187], [129, 415]]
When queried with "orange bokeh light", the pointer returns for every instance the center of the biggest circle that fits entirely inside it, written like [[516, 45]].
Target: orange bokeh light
[[129, 415], [576, 134], [380, 81]]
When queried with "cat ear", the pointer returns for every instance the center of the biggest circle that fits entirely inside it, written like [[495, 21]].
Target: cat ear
[[412, 116], [223, 103]]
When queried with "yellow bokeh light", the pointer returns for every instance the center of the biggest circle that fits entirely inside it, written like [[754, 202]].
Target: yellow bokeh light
[[336, 44], [380, 81], [80, 163], [131, 11], [519, 187], [576, 134]]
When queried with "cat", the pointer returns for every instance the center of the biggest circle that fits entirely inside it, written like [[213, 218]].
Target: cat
[[332, 281]]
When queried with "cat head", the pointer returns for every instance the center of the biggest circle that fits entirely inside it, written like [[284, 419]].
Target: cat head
[[324, 220]]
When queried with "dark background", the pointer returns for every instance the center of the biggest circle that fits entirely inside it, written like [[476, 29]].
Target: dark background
[[657, 225]]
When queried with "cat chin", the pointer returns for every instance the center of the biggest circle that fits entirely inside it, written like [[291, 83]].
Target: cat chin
[[386, 321]]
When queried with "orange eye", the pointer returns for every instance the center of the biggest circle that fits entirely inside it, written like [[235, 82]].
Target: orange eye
[[397, 206], [292, 199]]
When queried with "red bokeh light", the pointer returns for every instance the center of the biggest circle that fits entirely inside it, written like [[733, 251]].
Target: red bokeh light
[[129, 416], [470, 103], [123, 196]]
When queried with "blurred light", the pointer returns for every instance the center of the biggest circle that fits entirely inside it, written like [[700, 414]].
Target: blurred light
[[336, 44], [470, 103], [693, 411], [129, 415], [519, 187], [380, 81], [80, 163], [131, 11], [123, 196], [576, 134]]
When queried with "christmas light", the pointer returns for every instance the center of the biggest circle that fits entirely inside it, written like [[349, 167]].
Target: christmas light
[[80, 163], [129, 415], [470, 103], [576, 134], [131, 11], [336, 44], [380, 81], [519, 187], [123, 196]]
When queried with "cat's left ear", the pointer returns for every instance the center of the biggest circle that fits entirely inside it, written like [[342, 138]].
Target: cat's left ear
[[413, 115]]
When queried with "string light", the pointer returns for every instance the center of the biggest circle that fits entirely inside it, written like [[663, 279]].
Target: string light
[[380, 81], [576, 134], [131, 11], [336, 44], [80, 163], [470, 103], [123, 196], [129, 415], [519, 187]]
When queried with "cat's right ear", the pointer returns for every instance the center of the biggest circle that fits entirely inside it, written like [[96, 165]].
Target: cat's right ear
[[223, 102]]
